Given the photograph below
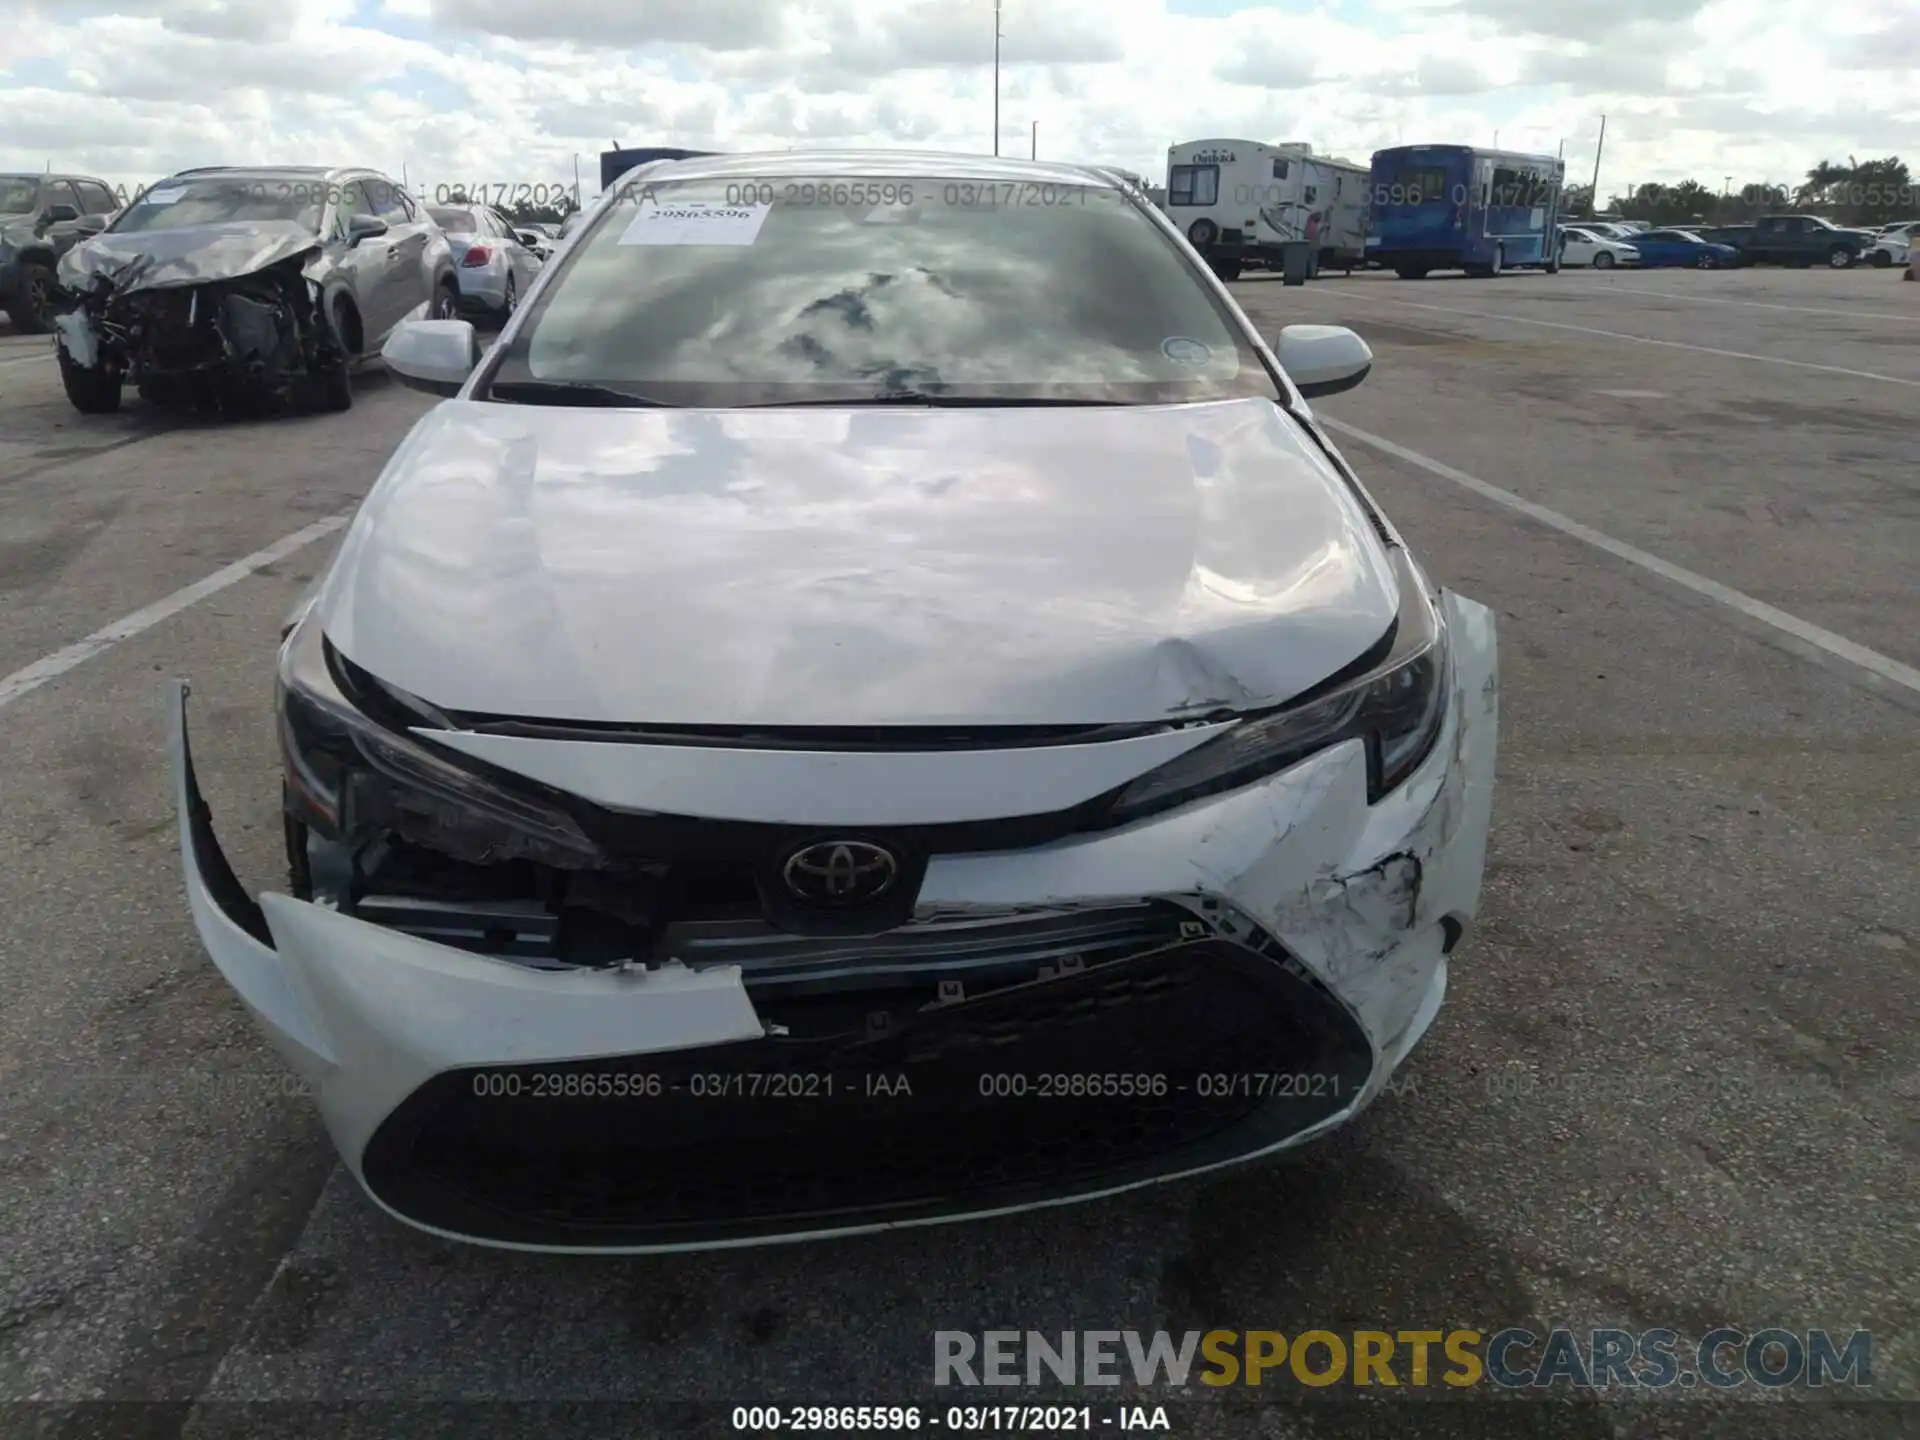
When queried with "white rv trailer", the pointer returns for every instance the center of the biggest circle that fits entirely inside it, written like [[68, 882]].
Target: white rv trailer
[[1239, 201]]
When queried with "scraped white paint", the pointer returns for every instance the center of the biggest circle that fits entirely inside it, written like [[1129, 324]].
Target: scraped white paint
[[1355, 294], [1827, 642], [1634, 394], [51, 667]]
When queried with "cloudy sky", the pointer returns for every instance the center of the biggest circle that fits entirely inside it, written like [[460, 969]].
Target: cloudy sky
[[508, 91]]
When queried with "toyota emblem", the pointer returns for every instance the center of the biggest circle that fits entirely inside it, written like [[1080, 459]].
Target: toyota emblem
[[840, 872]]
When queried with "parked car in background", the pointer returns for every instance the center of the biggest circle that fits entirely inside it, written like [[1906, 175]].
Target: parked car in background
[[248, 287], [1738, 236], [1802, 240], [1682, 247], [1581, 246], [494, 265], [538, 242], [1892, 245], [1605, 229], [41, 218]]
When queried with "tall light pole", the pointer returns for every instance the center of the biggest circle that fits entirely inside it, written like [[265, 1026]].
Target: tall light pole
[[1034, 152], [996, 77], [1598, 147]]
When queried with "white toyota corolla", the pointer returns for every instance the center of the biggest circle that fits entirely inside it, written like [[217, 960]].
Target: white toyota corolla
[[873, 703]]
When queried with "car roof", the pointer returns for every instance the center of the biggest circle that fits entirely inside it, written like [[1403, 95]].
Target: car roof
[[863, 164], [244, 172]]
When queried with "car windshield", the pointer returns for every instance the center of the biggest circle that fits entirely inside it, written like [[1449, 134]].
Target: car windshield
[[454, 219], [722, 292], [18, 195], [176, 204]]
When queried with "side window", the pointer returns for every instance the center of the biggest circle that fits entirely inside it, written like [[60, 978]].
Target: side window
[[388, 202], [1279, 168], [1309, 194], [351, 200], [354, 199], [1798, 226], [1193, 185], [59, 192], [95, 198]]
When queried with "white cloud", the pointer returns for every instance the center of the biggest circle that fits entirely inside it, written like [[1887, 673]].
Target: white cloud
[[507, 91]]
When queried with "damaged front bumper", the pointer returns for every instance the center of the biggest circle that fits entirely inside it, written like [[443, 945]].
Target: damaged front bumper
[[257, 341], [1270, 955]]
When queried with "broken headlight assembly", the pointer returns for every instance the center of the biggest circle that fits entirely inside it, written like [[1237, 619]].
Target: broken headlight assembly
[[1397, 706], [352, 777]]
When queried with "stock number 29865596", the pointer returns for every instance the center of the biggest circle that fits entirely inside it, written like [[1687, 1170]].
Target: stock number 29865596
[[836, 194]]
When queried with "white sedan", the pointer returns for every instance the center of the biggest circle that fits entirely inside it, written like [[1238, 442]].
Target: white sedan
[[1893, 246], [493, 266], [1581, 246], [833, 724]]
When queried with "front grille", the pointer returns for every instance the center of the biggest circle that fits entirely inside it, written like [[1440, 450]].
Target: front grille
[[840, 1121], [967, 950]]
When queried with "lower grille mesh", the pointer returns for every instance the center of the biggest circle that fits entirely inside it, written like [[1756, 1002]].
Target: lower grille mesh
[[853, 1127]]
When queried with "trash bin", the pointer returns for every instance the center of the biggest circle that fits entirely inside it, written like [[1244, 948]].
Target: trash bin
[[1296, 258]]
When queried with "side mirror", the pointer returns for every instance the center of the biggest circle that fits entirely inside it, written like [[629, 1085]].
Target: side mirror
[[59, 214], [364, 227], [435, 356], [1323, 359]]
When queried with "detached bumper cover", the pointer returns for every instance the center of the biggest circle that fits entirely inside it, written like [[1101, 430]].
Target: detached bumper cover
[[666, 1109]]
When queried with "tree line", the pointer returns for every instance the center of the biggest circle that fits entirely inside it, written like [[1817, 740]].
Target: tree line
[[1859, 192]]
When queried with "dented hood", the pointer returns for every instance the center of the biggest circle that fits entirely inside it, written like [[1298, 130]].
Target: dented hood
[[858, 567], [193, 255]]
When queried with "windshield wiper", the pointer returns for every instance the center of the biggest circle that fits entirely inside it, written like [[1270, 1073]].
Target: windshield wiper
[[926, 397], [572, 392]]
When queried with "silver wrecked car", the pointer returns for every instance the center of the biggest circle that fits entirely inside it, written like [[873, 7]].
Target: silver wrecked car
[[247, 287], [836, 723]]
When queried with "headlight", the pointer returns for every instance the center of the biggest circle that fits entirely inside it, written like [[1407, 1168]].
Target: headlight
[[1397, 707], [349, 775]]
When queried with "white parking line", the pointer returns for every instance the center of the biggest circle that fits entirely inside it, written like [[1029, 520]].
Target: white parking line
[[1836, 646], [1762, 305], [1636, 339], [46, 354], [50, 667]]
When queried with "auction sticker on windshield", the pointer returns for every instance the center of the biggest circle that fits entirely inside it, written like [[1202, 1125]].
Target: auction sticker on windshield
[[696, 223], [162, 197]]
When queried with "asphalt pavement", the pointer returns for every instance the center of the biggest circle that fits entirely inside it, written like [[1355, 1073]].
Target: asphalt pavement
[[1676, 1082]]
